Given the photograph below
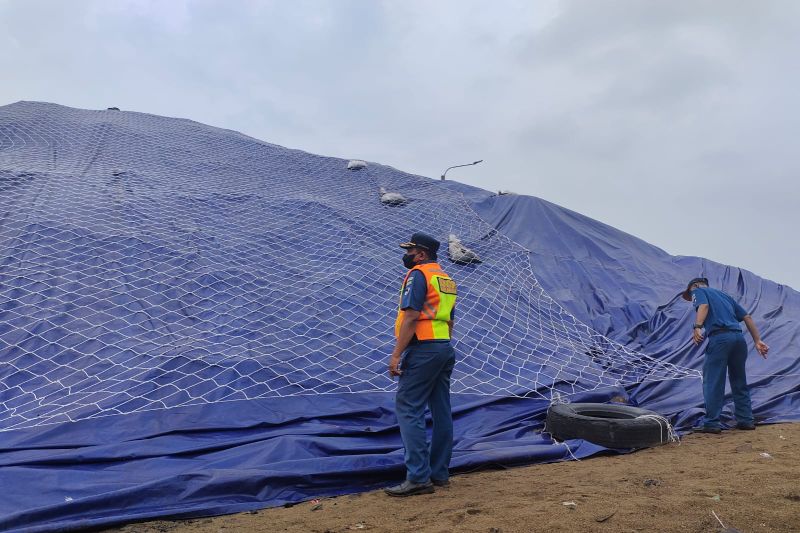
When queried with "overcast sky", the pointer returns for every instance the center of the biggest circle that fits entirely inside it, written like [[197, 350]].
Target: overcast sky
[[676, 121]]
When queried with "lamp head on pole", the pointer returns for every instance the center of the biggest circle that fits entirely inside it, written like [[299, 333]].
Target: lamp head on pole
[[456, 166]]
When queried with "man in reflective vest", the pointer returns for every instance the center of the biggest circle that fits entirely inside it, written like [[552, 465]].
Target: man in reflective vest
[[423, 361]]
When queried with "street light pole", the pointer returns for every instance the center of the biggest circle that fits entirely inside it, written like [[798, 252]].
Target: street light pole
[[456, 166]]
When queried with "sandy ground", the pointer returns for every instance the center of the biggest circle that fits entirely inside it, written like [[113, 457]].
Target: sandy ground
[[669, 488]]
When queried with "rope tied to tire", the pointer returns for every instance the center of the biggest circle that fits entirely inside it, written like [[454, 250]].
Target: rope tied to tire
[[672, 435]]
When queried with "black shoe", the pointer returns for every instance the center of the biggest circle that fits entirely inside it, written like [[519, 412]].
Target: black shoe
[[441, 482], [707, 429], [409, 488], [746, 427]]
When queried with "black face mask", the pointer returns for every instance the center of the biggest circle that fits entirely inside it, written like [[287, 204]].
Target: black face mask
[[408, 261]]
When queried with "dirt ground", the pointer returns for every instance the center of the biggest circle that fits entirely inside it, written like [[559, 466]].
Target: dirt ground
[[751, 479]]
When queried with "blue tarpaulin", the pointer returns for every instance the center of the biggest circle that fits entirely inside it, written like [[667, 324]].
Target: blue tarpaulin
[[194, 322]]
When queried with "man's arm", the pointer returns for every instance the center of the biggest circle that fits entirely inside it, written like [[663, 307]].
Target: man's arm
[[702, 313], [407, 329], [760, 345], [450, 328]]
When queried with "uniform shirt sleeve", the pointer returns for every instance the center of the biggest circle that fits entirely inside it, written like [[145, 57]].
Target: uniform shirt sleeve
[[699, 298], [414, 292], [739, 311]]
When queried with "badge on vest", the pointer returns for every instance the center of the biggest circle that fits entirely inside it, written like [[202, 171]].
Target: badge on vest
[[447, 286]]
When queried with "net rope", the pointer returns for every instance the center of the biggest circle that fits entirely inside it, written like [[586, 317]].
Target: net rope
[[150, 263]]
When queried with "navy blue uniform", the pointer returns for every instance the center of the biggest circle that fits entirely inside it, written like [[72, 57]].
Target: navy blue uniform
[[726, 352], [427, 367]]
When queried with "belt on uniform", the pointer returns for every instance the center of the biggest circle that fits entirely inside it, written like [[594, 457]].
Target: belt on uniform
[[724, 330]]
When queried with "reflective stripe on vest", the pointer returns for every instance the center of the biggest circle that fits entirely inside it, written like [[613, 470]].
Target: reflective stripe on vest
[[439, 302]]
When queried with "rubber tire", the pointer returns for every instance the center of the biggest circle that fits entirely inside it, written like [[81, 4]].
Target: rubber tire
[[609, 425]]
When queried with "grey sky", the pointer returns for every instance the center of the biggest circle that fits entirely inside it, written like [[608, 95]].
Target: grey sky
[[675, 121]]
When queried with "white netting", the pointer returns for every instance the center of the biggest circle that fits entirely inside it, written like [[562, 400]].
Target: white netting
[[148, 263]]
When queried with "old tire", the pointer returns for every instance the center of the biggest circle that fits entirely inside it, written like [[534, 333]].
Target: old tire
[[609, 425]]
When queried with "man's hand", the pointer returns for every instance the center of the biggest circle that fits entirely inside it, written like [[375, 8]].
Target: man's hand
[[762, 348], [394, 365], [697, 336], [407, 328]]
